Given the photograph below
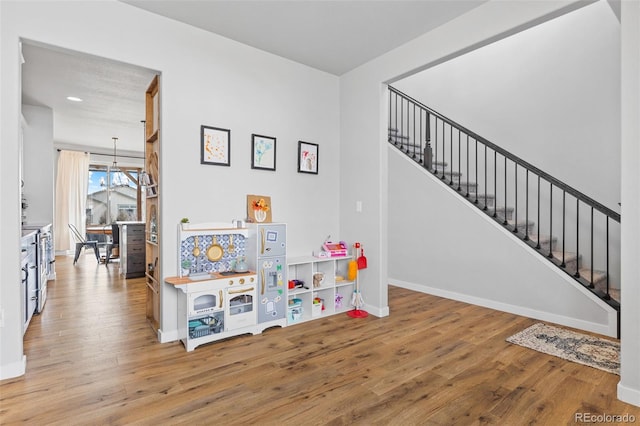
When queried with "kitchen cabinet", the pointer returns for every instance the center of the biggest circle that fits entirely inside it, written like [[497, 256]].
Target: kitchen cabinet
[[29, 280], [331, 287], [153, 265], [45, 259], [132, 249]]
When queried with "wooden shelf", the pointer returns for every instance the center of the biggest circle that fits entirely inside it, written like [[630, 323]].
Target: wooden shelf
[[153, 138], [152, 161]]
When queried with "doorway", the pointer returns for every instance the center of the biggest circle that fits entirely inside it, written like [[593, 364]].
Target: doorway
[[90, 101]]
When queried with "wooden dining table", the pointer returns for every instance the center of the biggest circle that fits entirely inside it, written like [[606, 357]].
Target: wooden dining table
[[106, 230]]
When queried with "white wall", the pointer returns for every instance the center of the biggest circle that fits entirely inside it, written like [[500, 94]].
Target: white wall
[[12, 360], [205, 79], [629, 386], [454, 250], [38, 152], [550, 95], [363, 132]]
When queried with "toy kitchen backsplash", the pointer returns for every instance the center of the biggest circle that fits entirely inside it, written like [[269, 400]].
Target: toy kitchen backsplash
[[195, 249]]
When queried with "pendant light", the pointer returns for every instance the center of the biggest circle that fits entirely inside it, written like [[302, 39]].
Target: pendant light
[[116, 181]]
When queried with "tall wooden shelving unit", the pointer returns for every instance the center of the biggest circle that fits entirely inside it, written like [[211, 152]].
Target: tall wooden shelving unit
[[152, 162]]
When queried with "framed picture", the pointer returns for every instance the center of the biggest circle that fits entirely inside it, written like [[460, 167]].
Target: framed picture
[[259, 208], [263, 152], [215, 146], [307, 157]]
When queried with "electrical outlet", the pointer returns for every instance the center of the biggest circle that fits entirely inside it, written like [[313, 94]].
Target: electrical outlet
[[359, 206]]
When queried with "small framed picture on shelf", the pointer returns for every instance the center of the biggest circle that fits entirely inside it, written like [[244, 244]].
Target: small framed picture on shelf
[[259, 208], [215, 146], [307, 157], [263, 152]]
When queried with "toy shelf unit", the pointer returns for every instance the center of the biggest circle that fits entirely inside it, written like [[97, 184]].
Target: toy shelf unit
[[207, 248], [320, 287]]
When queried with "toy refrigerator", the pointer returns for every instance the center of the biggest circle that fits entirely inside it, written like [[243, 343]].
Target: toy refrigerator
[[266, 251]]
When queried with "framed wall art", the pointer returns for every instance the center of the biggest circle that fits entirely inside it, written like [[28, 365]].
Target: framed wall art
[[215, 146], [263, 152], [307, 157], [259, 208]]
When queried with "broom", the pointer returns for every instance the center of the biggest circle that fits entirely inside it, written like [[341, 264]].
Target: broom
[[356, 299]]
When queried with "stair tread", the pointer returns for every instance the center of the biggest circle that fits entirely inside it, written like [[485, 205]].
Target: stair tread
[[597, 275], [568, 256], [530, 223]]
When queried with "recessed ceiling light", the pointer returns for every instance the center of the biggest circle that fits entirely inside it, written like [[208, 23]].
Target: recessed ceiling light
[[74, 99]]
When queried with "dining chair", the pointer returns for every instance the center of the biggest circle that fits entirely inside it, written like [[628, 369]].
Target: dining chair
[[115, 242], [82, 242]]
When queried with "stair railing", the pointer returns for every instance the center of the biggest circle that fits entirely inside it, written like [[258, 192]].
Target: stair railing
[[587, 232]]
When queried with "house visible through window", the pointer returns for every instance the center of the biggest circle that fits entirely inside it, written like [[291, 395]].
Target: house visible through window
[[113, 195]]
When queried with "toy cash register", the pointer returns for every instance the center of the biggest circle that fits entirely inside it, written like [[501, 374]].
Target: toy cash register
[[335, 249]]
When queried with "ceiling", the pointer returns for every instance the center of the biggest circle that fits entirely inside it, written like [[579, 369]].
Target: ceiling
[[332, 36], [112, 94]]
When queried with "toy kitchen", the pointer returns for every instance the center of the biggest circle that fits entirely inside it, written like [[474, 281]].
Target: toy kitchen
[[231, 281]]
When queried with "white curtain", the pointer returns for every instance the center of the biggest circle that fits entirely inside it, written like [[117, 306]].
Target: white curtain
[[72, 184]]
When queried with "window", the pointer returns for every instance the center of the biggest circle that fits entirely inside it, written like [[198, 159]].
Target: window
[[113, 195]]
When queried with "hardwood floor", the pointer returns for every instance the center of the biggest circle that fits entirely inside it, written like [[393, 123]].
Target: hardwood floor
[[92, 359]]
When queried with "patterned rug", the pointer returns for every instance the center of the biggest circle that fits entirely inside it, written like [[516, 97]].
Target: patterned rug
[[581, 348]]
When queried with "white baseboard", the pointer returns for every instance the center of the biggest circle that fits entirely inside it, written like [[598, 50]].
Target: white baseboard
[[14, 369], [628, 395], [166, 337], [377, 312], [610, 329]]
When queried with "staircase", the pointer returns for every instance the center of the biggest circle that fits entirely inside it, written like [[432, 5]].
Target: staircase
[[574, 232]]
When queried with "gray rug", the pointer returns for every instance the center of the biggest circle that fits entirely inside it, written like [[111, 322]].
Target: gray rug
[[581, 348]]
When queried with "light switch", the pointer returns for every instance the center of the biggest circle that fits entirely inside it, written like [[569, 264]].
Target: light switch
[[359, 206]]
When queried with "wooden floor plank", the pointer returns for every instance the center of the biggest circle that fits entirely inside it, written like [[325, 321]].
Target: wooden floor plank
[[93, 359]]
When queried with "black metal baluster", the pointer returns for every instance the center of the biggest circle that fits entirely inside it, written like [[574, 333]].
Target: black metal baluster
[[495, 183], [592, 281], [564, 196], [395, 142], [459, 163], [477, 186], [538, 220], [389, 122], [421, 148], [406, 140], [467, 175], [577, 274], [515, 211], [550, 220], [451, 154], [526, 206], [608, 296], [505, 222], [414, 132], [485, 179], [400, 130], [435, 152], [443, 149]]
